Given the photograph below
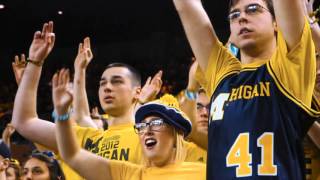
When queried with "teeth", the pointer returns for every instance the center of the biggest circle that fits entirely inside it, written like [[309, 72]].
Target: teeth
[[150, 142]]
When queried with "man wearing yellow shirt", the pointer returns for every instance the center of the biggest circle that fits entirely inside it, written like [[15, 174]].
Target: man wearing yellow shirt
[[161, 128], [119, 91]]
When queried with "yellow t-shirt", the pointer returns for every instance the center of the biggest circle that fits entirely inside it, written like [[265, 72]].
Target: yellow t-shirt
[[195, 153], [294, 71], [117, 143], [120, 143], [184, 171]]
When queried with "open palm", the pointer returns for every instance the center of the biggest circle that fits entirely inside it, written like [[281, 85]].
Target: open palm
[[61, 94], [42, 43]]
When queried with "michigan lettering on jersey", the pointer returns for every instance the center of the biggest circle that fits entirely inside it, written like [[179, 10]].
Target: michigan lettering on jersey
[[250, 91], [108, 148]]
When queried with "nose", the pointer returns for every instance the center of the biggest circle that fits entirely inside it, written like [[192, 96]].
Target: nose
[[243, 18], [107, 87], [29, 176], [204, 112]]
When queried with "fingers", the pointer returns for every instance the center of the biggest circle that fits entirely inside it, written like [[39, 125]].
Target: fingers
[[19, 62], [55, 80], [157, 77], [50, 27], [23, 58], [37, 35], [148, 80], [80, 48], [86, 43], [16, 59], [61, 78], [159, 74], [44, 30]]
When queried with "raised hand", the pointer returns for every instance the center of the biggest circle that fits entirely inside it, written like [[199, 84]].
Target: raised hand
[[84, 55], [42, 43], [18, 67], [7, 133], [61, 92], [95, 113], [151, 88], [309, 6]]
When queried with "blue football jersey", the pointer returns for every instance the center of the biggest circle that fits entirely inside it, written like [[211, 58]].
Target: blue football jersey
[[256, 128]]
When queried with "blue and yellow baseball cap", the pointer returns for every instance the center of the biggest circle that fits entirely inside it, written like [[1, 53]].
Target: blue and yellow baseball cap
[[168, 108]]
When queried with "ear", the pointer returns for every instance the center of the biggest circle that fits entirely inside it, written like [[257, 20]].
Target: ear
[[275, 26], [136, 92]]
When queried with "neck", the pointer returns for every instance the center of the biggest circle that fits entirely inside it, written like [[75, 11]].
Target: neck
[[258, 53], [164, 162], [123, 118]]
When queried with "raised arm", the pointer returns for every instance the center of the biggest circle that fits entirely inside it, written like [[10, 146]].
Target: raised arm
[[189, 106], [25, 119], [80, 103], [290, 19], [88, 165], [198, 28], [315, 28]]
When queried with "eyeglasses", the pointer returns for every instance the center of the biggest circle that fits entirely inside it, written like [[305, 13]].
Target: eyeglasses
[[154, 125], [251, 9], [201, 106]]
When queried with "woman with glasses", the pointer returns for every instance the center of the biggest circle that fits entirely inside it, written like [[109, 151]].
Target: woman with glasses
[[42, 166], [261, 103], [161, 127]]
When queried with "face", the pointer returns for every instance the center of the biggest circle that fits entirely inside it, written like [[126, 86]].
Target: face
[[116, 92], [36, 170], [157, 141], [202, 112], [253, 26], [318, 75], [10, 173]]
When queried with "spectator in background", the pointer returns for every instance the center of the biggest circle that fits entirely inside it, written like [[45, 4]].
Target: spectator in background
[[42, 165]]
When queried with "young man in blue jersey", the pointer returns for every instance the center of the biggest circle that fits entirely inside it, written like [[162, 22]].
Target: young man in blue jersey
[[260, 107]]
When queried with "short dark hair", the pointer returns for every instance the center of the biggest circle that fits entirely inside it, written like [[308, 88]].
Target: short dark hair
[[268, 2], [136, 77]]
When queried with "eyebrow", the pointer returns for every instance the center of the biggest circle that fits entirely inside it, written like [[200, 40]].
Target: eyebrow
[[112, 77]]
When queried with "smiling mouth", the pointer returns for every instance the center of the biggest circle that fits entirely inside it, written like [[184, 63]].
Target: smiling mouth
[[150, 143]]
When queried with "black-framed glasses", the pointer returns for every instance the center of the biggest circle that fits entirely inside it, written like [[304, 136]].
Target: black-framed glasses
[[251, 9], [201, 106], [154, 125]]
